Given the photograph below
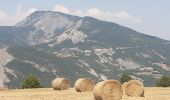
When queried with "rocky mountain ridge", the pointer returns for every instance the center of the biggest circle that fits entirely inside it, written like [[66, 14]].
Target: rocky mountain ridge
[[53, 44]]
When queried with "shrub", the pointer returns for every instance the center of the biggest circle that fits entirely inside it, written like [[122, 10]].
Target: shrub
[[164, 81], [31, 82], [125, 78]]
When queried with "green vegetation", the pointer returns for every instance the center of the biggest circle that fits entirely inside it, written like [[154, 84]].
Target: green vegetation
[[31, 82], [125, 78], [164, 81]]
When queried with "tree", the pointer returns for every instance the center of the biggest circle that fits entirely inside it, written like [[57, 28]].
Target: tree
[[31, 82], [125, 78], [164, 81]]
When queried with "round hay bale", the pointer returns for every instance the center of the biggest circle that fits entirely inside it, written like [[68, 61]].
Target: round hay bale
[[3, 89], [60, 84], [83, 85], [124, 84], [108, 90], [134, 88], [123, 87]]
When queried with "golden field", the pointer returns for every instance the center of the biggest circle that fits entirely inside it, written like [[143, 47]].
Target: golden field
[[153, 93]]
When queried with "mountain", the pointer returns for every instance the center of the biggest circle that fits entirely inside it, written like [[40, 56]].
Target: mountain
[[53, 44]]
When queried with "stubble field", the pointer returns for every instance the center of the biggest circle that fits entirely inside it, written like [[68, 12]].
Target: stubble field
[[71, 94]]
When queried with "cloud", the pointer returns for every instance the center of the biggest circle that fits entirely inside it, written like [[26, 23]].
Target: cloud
[[121, 17], [61, 8], [94, 12], [19, 15]]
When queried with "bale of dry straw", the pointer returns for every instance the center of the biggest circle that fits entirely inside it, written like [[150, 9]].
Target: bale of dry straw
[[60, 84], [3, 89], [134, 88], [108, 90], [123, 87], [124, 84], [83, 85]]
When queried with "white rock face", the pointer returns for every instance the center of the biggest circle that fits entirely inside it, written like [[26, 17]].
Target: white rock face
[[162, 65], [128, 64], [93, 72], [72, 34], [64, 54], [158, 54], [50, 22], [103, 77], [5, 57], [67, 52], [145, 55], [100, 53], [10, 71], [40, 68], [108, 51]]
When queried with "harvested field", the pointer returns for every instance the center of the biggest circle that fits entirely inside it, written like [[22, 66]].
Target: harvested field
[[71, 94]]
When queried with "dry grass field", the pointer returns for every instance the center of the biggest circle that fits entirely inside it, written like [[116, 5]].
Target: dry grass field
[[50, 94]]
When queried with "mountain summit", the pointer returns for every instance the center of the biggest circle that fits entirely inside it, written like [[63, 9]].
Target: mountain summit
[[53, 44]]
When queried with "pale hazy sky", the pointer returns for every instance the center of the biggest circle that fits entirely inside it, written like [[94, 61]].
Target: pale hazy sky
[[147, 16]]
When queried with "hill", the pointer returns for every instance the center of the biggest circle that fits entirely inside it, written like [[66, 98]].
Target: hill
[[53, 44]]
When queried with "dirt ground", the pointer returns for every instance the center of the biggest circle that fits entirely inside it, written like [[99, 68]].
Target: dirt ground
[[50, 94]]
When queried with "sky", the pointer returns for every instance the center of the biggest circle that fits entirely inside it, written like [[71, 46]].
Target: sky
[[150, 17]]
